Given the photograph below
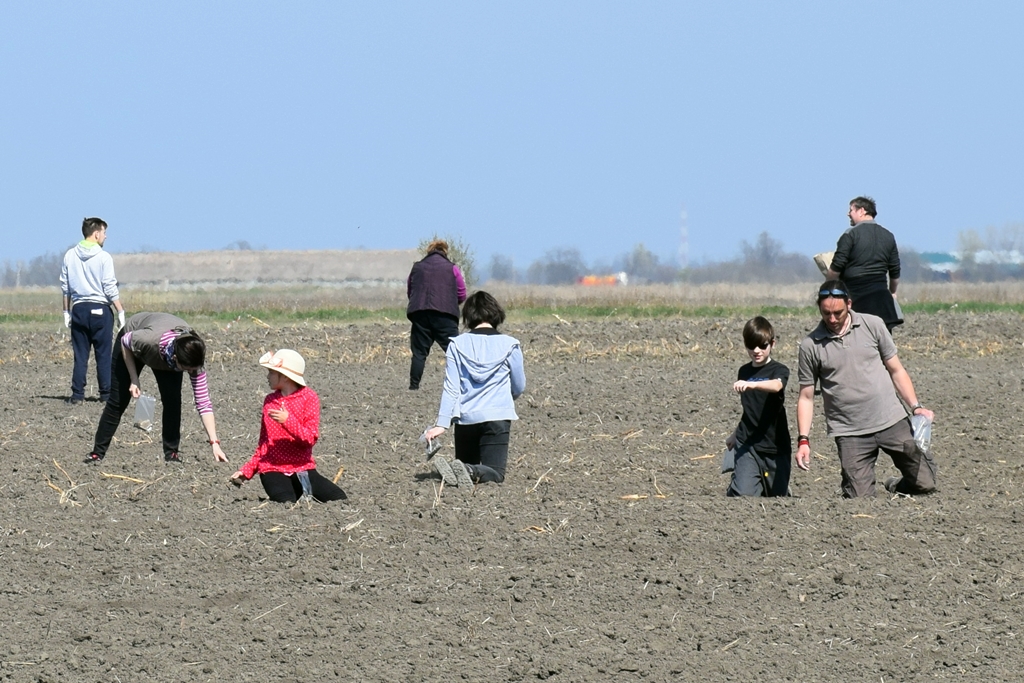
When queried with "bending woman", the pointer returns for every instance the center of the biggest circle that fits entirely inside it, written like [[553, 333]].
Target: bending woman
[[170, 347], [483, 375]]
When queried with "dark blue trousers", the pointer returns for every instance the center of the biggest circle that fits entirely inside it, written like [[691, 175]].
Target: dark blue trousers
[[92, 327]]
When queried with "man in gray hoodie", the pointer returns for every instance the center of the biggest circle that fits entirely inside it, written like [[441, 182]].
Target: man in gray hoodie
[[89, 289]]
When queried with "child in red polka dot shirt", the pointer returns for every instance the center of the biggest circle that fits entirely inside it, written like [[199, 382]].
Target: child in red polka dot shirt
[[291, 425]]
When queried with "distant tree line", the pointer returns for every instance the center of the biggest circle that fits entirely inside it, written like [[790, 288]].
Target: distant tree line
[[993, 256], [39, 272], [999, 255]]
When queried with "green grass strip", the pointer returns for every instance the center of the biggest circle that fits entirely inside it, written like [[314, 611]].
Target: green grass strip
[[602, 311]]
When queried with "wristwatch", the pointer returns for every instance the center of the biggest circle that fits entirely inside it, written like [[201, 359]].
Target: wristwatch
[[915, 407]]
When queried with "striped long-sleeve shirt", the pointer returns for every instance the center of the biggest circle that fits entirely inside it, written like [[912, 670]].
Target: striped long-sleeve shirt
[[200, 388]]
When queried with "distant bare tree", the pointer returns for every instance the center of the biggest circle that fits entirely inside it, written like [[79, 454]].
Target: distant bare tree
[[557, 267], [39, 272], [643, 266], [502, 268], [763, 261], [763, 255]]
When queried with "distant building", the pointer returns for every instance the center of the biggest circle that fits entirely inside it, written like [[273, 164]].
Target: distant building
[[940, 262], [949, 263]]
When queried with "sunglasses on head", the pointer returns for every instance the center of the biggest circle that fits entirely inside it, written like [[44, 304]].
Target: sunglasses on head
[[762, 347], [833, 292]]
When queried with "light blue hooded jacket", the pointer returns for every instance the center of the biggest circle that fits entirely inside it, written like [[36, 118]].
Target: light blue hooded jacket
[[483, 375]]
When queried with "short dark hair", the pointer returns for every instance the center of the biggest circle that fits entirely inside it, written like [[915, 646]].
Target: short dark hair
[[866, 203], [92, 225], [190, 350], [481, 307], [829, 289], [758, 332]]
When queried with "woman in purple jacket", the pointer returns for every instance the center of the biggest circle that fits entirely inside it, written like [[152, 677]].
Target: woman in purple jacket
[[435, 288]]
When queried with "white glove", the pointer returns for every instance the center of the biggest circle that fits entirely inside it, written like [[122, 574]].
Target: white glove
[[67, 319], [120, 320]]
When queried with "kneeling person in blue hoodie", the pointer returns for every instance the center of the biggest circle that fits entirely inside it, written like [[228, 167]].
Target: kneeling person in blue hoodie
[[483, 376]]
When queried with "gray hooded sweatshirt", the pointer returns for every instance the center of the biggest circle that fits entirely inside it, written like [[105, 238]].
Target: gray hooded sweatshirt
[[87, 275]]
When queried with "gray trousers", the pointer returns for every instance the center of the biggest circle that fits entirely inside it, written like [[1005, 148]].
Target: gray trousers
[[754, 474], [858, 454]]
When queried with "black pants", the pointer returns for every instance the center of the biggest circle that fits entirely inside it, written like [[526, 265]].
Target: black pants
[[285, 488], [91, 330], [484, 448], [169, 385], [428, 327]]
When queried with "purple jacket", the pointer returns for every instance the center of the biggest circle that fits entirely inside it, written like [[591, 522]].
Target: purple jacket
[[436, 284]]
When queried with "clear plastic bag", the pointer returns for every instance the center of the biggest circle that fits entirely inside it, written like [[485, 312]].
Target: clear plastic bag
[[307, 486], [430, 446], [922, 428], [145, 411]]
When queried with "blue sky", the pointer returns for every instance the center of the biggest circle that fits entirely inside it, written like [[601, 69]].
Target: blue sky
[[519, 126]]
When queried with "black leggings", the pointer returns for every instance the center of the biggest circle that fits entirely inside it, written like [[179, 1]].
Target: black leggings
[[285, 488], [428, 327], [484, 447], [169, 384]]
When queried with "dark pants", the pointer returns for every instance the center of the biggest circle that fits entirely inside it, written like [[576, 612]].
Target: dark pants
[[484, 448], [858, 454], [285, 488], [91, 330], [875, 298], [169, 385], [428, 327], [760, 475]]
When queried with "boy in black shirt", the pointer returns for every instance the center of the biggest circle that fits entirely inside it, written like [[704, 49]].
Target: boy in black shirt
[[760, 449]]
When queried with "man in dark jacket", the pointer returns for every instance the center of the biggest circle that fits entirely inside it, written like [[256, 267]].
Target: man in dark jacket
[[435, 288], [868, 261]]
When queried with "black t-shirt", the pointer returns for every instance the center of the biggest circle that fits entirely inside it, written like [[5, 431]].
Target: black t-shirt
[[763, 425]]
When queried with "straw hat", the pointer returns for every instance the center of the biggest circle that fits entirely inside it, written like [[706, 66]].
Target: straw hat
[[289, 363]]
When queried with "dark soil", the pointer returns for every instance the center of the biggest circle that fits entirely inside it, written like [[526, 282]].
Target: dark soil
[[166, 572]]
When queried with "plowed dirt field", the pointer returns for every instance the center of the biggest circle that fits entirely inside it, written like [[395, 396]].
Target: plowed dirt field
[[609, 553]]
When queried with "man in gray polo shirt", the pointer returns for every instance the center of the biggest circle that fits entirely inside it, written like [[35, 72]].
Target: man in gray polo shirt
[[853, 357]]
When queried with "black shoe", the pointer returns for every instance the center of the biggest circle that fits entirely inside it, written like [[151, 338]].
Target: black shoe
[[92, 457], [73, 401], [172, 457], [414, 387], [104, 398]]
